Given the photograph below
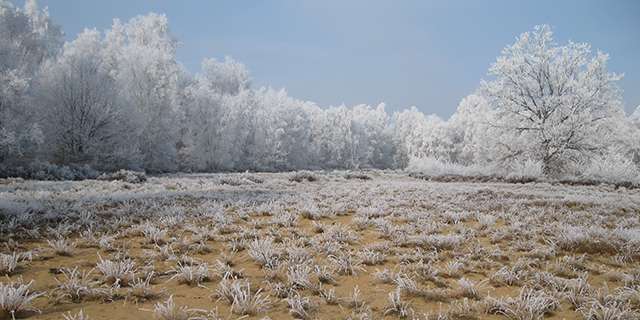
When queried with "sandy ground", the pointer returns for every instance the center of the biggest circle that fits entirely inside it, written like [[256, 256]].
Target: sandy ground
[[404, 222]]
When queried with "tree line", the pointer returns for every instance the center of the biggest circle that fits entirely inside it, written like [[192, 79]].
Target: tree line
[[120, 99]]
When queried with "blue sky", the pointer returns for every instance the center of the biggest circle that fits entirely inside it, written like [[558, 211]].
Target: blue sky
[[424, 53]]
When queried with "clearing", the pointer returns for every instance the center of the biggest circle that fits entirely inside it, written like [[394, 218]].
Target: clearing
[[332, 246]]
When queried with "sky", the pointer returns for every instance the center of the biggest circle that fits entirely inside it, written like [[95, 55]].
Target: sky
[[428, 54]]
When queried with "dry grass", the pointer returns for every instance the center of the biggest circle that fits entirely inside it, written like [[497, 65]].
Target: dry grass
[[17, 298], [377, 246]]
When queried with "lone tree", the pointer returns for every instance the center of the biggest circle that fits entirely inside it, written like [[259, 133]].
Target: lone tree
[[553, 103]]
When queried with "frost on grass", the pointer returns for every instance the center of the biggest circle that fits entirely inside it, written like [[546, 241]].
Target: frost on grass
[[120, 272], [264, 252], [76, 316], [308, 245], [62, 246], [191, 274], [528, 305], [17, 297], [76, 285], [8, 263], [300, 307], [397, 306], [303, 176], [169, 310], [243, 301]]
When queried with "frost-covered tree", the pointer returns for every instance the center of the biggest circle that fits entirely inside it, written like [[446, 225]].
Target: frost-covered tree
[[141, 57], [370, 137], [226, 77], [332, 135], [555, 104], [82, 116], [424, 136], [635, 116], [632, 140], [233, 127], [355, 137], [211, 100], [27, 38], [122, 100], [283, 131], [470, 131]]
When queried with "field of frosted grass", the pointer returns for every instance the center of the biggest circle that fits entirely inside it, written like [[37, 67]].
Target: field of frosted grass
[[334, 245]]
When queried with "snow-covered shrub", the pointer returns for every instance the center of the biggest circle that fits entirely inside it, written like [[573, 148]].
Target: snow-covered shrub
[[232, 181], [48, 171], [252, 177], [124, 175], [240, 179], [302, 176], [527, 169], [357, 175], [612, 168], [434, 167]]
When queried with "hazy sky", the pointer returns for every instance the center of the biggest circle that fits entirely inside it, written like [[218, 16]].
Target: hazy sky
[[424, 53]]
